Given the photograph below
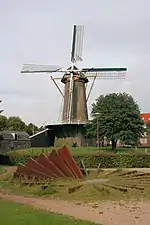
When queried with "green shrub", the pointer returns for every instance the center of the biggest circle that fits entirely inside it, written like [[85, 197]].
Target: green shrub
[[115, 161], [15, 160], [107, 160]]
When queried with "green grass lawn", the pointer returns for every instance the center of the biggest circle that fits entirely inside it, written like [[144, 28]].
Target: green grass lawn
[[74, 151], [17, 214]]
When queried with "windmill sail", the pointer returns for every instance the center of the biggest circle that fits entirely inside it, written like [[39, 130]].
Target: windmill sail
[[33, 68], [1, 110], [103, 69], [77, 43], [105, 73]]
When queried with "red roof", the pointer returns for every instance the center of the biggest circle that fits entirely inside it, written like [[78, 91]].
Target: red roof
[[145, 117]]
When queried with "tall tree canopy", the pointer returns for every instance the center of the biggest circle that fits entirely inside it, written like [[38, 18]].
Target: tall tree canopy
[[119, 118], [31, 129], [3, 120], [3, 123], [15, 123], [148, 127]]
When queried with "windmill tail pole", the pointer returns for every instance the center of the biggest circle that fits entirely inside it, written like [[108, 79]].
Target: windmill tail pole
[[57, 86], [91, 88]]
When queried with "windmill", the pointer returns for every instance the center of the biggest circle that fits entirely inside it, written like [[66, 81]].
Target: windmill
[[75, 80], [1, 110]]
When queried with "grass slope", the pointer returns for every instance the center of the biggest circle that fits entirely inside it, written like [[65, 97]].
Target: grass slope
[[87, 193], [75, 151], [15, 214]]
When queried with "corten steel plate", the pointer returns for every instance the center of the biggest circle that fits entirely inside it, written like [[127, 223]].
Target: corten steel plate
[[55, 165], [23, 170], [47, 164], [67, 157], [56, 170], [58, 161], [32, 164]]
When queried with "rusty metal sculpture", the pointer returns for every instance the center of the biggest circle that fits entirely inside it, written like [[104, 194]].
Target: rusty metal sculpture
[[57, 164], [60, 164]]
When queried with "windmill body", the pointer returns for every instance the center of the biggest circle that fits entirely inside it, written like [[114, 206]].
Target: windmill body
[[77, 112], [75, 80]]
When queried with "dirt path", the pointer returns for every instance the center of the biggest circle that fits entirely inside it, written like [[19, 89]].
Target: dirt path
[[106, 213]]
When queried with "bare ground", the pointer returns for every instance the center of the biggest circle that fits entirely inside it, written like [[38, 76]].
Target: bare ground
[[106, 213]]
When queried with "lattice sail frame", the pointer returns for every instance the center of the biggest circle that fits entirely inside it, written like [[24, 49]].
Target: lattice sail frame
[[1, 110], [33, 68], [100, 75], [77, 43]]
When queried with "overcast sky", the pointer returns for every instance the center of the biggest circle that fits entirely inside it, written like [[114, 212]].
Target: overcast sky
[[117, 34]]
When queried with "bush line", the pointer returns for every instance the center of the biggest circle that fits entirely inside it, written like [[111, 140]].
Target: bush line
[[115, 161], [92, 161]]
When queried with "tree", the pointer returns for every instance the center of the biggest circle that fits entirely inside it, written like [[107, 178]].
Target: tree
[[119, 118], [31, 128], [3, 123], [148, 127], [15, 123]]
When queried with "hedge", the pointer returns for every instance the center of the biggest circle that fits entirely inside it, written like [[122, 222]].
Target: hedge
[[115, 161], [92, 161]]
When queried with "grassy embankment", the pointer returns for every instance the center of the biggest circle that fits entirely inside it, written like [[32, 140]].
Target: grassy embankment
[[14, 213]]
